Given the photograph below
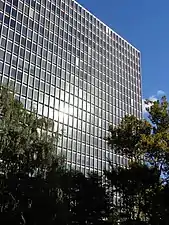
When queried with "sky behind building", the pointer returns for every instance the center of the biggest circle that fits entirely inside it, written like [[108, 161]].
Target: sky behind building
[[144, 24]]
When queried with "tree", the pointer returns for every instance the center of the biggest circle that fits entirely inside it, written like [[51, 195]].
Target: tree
[[143, 184], [90, 204], [28, 158], [35, 187], [156, 144], [135, 187]]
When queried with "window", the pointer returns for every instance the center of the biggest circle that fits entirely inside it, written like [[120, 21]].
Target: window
[[25, 20], [16, 49], [22, 52], [13, 73], [7, 70], [17, 38], [77, 61], [15, 3], [24, 31], [29, 44], [5, 31], [1, 16], [18, 27], [14, 61], [19, 76], [8, 9], [13, 23], [20, 63], [24, 90], [8, 57], [1, 5], [31, 13], [26, 10], [14, 13], [35, 95], [6, 20], [3, 42]]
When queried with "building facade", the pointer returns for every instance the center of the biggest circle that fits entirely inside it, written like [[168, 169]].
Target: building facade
[[72, 68]]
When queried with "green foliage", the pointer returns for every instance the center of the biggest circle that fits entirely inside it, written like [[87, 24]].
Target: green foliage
[[91, 205], [35, 187], [142, 186], [24, 141], [124, 139], [135, 187], [156, 145]]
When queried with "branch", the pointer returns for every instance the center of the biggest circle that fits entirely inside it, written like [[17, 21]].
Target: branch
[[23, 219], [139, 210]]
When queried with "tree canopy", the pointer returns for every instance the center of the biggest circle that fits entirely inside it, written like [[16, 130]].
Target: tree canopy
[[35, 187], [143, 184]]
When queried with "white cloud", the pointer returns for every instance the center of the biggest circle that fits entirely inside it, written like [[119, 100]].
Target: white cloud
[[160, 93], [147, 105], [143, 106], [152, 98]]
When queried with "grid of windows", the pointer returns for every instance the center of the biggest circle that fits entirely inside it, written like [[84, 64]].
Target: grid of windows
[[72, 68]]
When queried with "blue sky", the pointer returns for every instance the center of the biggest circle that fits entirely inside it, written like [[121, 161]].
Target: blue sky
[[145, 24]]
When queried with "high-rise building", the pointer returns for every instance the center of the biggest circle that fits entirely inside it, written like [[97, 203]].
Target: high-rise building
[[72, 68]]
